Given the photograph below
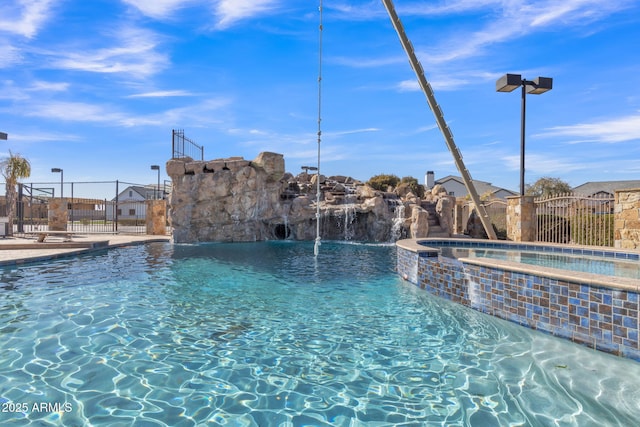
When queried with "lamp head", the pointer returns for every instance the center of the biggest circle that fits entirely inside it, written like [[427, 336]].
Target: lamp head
[[540, 85], [508, 83]]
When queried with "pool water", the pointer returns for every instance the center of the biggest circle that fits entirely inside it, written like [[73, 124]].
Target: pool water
[[264, 334], [582, 263]]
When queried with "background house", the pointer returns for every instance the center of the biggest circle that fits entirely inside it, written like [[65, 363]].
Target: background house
[[131, 202], [455, 187], [605, 188]]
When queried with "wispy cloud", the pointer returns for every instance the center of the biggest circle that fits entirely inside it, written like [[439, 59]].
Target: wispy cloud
[[42, 86], [37, 137], [618, 130], [502, 21], [9, 54], [515, 19], [545, 165], [134, 52], [25, 17], [229, 12], [366, 63], [350, 132], [83, 112], [161, 94], [74, 112], [158, 9]]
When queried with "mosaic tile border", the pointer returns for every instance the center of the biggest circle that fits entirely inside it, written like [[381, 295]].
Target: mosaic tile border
[[604, 318]]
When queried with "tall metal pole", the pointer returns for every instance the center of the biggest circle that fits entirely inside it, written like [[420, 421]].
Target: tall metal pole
[[316, 246], [442, 124], [522, 133], [115, 209]]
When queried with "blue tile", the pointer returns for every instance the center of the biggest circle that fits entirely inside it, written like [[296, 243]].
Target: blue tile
[[630, 322]]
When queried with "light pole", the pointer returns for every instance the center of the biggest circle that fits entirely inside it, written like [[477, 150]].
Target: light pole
[[56, 170], [4, 136], [509, 83], [156, 168]]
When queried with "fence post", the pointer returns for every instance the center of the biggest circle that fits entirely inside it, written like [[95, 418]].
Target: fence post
[[20, 209], [521, 219], [58, 214], [627, 219], [156, 217]]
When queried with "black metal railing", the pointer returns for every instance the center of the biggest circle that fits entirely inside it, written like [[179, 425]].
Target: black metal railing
[[181, 146]]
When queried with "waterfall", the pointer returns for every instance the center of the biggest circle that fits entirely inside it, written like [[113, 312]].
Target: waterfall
[[398, 223], [474, 292], [286, 227], [349, 219]]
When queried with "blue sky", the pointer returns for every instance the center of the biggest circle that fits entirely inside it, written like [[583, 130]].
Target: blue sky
[[95, 87]]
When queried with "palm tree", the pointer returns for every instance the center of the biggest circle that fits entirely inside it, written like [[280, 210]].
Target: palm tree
[[13, 168]]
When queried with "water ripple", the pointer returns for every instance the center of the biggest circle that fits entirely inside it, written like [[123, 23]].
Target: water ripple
[[265, 334]]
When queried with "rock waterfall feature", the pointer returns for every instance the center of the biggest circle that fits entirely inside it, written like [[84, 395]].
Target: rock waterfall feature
[[236, 200]]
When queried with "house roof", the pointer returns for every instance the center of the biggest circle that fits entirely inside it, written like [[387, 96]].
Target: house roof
[[482, 187], [140, 189], [595, 187]]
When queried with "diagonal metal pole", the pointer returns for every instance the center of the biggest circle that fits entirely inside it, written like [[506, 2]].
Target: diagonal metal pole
[[442, 124]]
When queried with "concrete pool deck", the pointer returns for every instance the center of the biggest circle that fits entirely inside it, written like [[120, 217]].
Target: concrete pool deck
[[17, 250]]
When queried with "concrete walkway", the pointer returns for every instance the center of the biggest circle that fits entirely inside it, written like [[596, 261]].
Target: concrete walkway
[[20, 250]]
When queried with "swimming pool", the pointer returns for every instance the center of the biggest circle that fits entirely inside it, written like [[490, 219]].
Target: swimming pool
[[265, 334], [587, 260]]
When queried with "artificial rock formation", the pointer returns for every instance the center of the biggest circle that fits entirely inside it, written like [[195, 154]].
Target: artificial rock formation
[[235, 200]]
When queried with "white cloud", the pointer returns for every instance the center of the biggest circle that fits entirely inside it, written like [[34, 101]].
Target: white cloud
[[161, 94], [25, 17], [158, 9], [502, 21], [350, 132], [74, 111], [543, 164], [44, 137], [618, 130], [38, 86], [82, 112], [135, 53], [229, 12], [9, 54]]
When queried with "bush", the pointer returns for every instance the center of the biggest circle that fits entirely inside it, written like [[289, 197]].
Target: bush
[[591, 229], [413, 185], [383, 182], [554, 228]]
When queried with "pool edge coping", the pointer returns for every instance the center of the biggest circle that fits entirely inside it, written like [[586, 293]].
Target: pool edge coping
[[420, 246], [66, 252]]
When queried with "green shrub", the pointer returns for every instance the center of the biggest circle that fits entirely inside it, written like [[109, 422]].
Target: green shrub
[[554, 228], [383, 182], [592, 229], [413, 185]]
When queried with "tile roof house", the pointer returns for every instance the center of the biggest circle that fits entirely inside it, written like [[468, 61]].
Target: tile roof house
[[602, 188]]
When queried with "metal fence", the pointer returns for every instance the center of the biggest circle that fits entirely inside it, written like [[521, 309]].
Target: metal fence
[[92, 207], [181, 146], [575, 219]]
